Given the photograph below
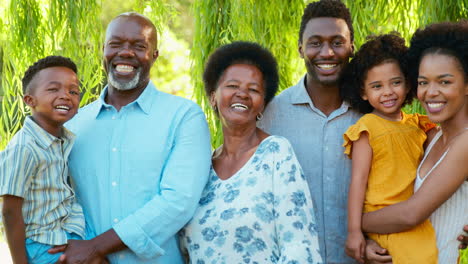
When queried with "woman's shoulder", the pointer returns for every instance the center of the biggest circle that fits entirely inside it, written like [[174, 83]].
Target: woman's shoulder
[[460, 143], [274, 144]]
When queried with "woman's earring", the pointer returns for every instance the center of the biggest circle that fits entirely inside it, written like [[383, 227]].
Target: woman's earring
[[259, 116]]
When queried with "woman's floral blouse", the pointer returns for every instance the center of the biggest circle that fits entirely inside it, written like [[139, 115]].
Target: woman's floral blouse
[[262, 214]]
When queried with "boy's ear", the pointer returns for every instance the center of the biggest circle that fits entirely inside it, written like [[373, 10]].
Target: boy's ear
[[29, 100]]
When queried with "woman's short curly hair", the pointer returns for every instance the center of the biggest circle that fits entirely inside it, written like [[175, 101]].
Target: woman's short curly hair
[[447, 38], [376, 51], [242, 52]]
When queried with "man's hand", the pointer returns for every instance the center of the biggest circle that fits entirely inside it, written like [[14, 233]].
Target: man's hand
[[463, 238], [79, 251], [375, 254], [356, 246]]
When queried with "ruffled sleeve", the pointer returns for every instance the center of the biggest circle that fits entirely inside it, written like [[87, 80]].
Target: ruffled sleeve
[[424, 123], [352, 134]]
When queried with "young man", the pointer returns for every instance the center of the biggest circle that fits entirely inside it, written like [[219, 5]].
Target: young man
[[39, 207], [141, 158], [313, 117]]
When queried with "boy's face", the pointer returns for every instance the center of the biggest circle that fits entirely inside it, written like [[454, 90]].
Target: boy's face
[[54, 96]]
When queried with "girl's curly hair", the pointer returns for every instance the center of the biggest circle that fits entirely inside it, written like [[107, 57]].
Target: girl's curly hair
[[377, 50]]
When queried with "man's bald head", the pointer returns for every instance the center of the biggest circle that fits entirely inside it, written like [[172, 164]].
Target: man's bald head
[[139, 18]]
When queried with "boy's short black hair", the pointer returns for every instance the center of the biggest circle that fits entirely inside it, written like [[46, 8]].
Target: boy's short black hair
[[447, 38], [376, 51], [47, 62], [326, 8], [242, 52]]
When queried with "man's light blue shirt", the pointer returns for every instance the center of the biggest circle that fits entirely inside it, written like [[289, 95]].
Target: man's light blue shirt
[[141, 171], [317, 140]]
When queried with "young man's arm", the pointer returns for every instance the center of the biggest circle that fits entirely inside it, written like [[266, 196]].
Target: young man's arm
[[15, 228]]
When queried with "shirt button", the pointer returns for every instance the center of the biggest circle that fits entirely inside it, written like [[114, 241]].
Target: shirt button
[[326, 148], [114, 149], [116, 220], [113, 117], [114, 183], [121, 256]]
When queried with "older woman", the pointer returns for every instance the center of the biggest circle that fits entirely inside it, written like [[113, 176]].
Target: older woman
[[256, 207], [440, 55]]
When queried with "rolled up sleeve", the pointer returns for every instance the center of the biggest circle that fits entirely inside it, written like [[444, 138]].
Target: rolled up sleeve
[[184, 176]]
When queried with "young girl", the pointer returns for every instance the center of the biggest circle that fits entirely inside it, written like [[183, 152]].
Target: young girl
[[386, 146], [439, 58]]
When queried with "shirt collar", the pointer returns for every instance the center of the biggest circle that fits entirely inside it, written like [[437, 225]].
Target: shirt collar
[[144, 101], [43, 138], [300, 95]]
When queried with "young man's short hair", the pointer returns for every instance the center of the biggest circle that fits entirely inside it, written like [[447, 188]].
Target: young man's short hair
[[326, 8]]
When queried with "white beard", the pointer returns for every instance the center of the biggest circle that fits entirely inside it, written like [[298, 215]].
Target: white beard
[[124, 86]]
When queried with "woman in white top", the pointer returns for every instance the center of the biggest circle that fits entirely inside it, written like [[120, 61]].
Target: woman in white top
[[439, 53], [256, 206]]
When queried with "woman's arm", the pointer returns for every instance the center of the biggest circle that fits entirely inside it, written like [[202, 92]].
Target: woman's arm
[[443, 181], [15, 228], [361, 165]]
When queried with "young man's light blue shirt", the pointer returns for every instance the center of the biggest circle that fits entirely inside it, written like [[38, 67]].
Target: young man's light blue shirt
[[141, 171], [317, 139]]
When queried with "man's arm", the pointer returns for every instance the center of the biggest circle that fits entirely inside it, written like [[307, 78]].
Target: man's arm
[[183, 178], [92, 251], [15, 228]]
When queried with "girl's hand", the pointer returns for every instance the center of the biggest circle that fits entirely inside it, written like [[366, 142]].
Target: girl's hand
[[356, 246]]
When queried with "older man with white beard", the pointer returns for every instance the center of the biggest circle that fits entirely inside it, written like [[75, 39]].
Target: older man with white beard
[[141, 157]]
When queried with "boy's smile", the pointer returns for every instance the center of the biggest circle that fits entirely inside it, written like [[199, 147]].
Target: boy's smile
[[54, 98]]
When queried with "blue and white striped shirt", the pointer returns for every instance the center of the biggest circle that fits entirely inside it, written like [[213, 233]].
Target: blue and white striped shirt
[[34, 167]]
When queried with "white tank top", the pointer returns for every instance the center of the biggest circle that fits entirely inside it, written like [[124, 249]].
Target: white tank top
[[448, 220]]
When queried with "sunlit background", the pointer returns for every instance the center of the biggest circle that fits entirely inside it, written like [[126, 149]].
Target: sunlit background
[[188, 31]]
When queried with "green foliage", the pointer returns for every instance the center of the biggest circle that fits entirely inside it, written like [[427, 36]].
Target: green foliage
[[33, 30]]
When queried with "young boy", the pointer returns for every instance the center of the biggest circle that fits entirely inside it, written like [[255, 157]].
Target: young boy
[[39, 206]]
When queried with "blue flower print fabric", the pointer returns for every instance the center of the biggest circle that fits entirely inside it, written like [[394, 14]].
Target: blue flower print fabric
[[262, 214]]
